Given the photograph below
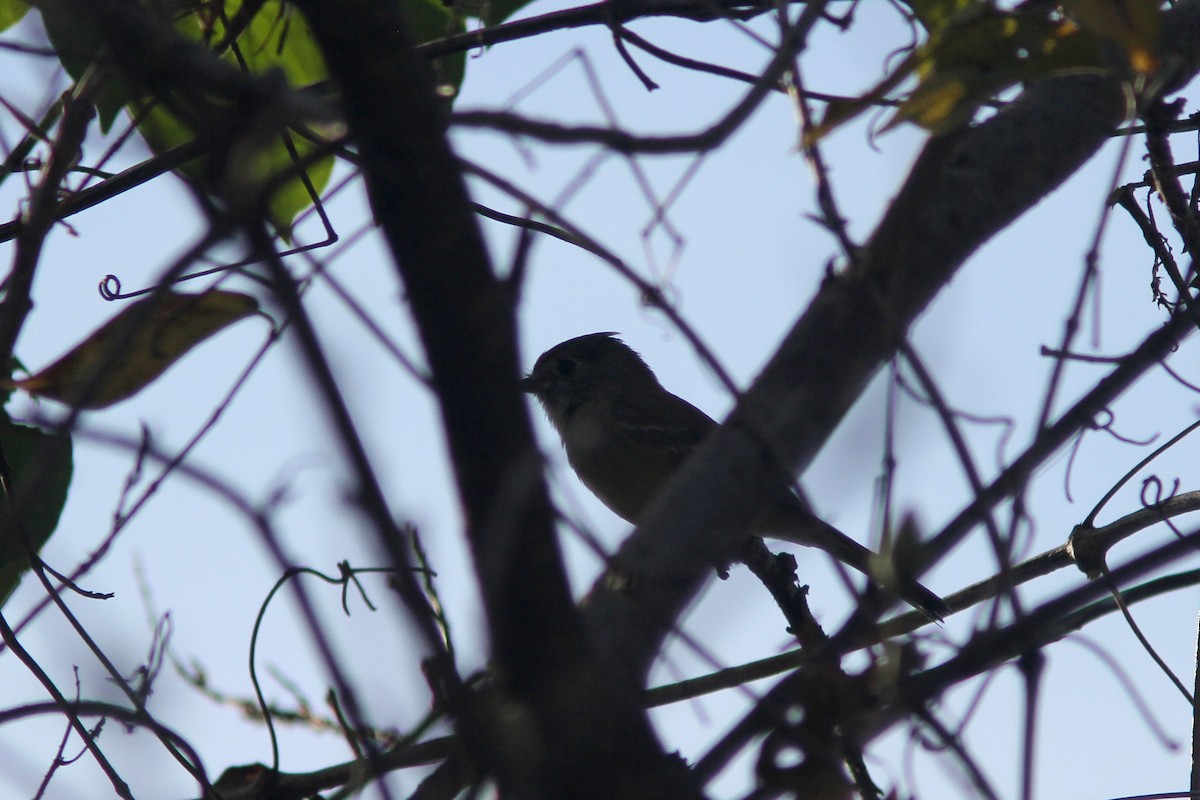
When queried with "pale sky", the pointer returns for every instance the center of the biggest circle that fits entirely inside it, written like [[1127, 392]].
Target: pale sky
[[749, 260]]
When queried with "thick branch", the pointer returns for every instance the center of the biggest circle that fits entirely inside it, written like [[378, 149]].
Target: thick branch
[[564, 727], [963, 190], [33, 226]]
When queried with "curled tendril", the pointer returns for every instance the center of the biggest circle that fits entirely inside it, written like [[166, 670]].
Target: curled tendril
[[1152, 496], [1106, 425], [1104, 414], [110, 287], [1179, 378], [1152, 491]]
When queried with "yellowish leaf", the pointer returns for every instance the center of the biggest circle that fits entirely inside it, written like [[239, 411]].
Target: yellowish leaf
[[981, 54], [940, 104], [975, 51], [934, 14], [132, 349], [838, 112], [1133, 25]]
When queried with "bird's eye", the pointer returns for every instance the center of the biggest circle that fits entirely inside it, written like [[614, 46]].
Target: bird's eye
[[565, 366]]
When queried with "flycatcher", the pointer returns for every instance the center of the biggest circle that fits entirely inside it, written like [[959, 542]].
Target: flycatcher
[[625, 435]]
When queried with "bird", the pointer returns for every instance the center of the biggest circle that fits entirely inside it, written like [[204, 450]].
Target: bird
[[625, 435]]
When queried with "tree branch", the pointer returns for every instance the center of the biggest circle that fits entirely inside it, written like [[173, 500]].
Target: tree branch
[[963, 189], [562, 725]]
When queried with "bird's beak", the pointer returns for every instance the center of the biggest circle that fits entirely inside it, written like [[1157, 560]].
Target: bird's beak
[[528, 385]]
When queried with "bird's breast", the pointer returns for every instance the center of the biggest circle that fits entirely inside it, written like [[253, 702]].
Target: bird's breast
[[609, 463]]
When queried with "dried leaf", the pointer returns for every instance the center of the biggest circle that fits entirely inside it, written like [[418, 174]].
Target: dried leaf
[[132, 349]]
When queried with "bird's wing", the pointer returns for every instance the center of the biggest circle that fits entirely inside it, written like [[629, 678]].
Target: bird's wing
[[665, 425]]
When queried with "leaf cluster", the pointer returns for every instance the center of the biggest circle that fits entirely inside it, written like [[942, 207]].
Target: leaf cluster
[[973, 51]]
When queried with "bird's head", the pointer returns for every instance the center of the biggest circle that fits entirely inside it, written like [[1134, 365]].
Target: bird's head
[[578, 370]]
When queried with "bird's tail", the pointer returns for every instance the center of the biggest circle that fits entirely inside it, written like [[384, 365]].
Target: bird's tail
[[818, 533]]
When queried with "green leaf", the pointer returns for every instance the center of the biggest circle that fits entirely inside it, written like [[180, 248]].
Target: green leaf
[[11, 12], [275, 38], [78, 46], [248, 169], [279, 38], [40, 466], [433, 19], [493, 12]]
